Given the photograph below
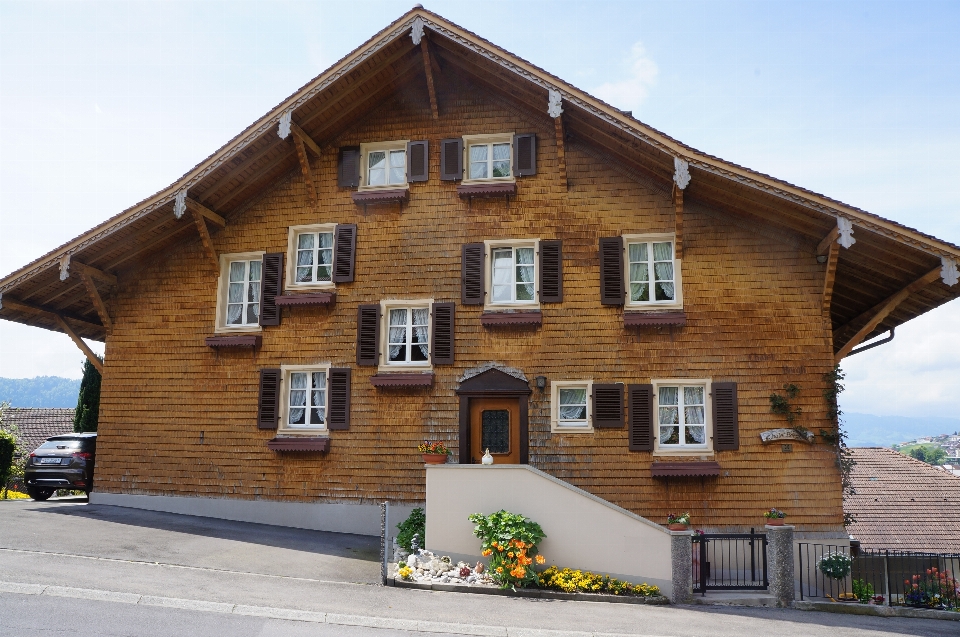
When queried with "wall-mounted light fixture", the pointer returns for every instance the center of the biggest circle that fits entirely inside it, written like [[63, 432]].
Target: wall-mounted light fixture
[[541, 382], [822, 258]]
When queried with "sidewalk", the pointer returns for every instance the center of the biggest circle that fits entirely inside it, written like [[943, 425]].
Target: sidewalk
[[99, 548]]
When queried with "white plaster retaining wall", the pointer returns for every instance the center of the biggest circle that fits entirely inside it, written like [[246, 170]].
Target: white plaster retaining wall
[[362, 519], [583, 531]]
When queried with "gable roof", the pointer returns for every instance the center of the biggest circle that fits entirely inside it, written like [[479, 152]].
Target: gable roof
[[35, 425], [885, 260], [902, 503]]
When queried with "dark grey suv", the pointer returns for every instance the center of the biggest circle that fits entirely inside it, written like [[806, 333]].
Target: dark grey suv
[[62, 462]]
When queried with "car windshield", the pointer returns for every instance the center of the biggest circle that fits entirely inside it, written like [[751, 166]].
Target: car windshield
[[59, 445]]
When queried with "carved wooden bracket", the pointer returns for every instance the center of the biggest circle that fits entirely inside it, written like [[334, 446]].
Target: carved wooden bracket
[[88, 274], [427, 67], [829, 277], [561, 150], [678, 220], [305, 169]]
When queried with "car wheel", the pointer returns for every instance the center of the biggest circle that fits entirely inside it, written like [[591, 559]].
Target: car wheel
[[39, 494]]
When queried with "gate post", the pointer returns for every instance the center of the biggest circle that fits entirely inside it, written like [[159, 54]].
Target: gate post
[[780, 560], [681, 556]]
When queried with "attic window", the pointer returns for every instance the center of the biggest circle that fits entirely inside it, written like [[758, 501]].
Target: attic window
[[383, 165], [489, 158]]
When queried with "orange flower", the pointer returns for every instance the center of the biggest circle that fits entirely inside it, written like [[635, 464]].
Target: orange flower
[[499, 569], [540, 559], [510, 554], [486, 552], [521, 544]]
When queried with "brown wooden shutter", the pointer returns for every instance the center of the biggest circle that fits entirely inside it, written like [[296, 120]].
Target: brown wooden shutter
[[608, 405], [551, 272], [726, 426], [524, 155], [271, 286], [344, 252], [338, 386], [442, 345], [368, 334], [451, 159], [418, 157], [640, 416], [471, 274], [268, 407], [611, 271], [348, 167]]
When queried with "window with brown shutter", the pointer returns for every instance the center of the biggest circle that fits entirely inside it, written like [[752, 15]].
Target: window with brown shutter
[[551, 272], [268, 406], [348, 167], [418, 156], [271, 286], [344, 252], [338, 412], [442, 346], [607, 405], [640, 417], [471, 274], [611, 271], [525, 155], [368, 334], [726, 426], [451, 159]]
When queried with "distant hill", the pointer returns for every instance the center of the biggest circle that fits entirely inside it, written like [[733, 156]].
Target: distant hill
[[42, 391], [866, 430]]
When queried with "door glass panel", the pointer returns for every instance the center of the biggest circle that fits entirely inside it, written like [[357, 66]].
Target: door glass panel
[[495, 430]]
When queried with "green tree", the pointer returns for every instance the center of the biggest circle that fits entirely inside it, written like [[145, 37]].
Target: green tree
[[930, 455], [8, 448], [88, 403]]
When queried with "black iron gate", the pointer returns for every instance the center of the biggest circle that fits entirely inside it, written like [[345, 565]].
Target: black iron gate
[[730, 561]]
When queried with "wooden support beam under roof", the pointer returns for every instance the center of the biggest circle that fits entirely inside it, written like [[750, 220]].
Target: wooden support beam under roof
[[829, 277], [678, 220], [79, 342], [95, 273], [87, 274], [196, 207], [205, 238], [7, 302], [305, 169], [561, 150], [428, 70], [881, 311], [305, 139], [827, 241]]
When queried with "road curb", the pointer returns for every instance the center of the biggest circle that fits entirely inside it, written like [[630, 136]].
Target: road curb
[[267, 612]]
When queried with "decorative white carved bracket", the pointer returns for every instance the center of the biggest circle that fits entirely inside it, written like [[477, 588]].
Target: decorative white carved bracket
[[65, 267], [949, 271], [681, 172], [776, 435], [180, 204], [554, 104], [845, 226], [284, 130], [417, 31]]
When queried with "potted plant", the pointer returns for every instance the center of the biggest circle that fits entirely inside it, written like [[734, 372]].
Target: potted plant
[[433, 452], [678, 521], [835, 565], [774, 517]]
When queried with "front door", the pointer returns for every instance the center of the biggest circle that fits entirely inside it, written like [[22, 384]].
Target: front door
[[495, 425]]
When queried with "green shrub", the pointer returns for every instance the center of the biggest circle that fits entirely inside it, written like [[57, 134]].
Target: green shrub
[[8, 446], [510, 541], [88, 402], [863, 590], [415, 524]]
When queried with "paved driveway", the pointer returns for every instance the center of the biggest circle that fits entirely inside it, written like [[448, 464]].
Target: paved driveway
[[74, 550]]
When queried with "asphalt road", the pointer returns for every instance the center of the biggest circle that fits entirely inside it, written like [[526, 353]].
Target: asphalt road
[[144, 558]]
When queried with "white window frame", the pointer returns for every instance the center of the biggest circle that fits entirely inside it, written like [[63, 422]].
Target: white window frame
[[555, 387], [682, 449], [488, 247], [223, 284], [291, 269], [365, 149], [285, 385], [677, 302], [499, 138], [385, 364]]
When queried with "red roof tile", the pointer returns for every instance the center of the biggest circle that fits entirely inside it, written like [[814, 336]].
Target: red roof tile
[[902, 503], [35, 425]]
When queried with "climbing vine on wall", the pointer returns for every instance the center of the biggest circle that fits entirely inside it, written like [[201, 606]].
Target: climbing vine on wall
[[838, 437]]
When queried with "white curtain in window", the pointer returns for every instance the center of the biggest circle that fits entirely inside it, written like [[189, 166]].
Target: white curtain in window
[[298, 398], [478, 161], [421, 321], [398, 332], [573, 404], [663, 270]]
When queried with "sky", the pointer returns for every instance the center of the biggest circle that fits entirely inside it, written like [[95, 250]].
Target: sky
[[102, 104]]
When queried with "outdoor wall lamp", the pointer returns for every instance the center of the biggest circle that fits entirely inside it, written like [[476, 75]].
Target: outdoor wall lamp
[[541, 382]]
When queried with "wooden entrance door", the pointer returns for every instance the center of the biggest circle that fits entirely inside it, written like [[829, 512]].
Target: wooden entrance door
[[495, 425]]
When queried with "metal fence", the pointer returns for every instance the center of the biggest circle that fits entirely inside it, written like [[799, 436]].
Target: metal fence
[[730, 561], [891, 577]]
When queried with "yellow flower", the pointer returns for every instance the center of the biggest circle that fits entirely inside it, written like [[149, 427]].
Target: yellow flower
[[540, 559], [486, 552], [510, 554], [499, 569]]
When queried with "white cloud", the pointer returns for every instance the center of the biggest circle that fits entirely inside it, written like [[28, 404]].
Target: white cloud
[[631, 92]]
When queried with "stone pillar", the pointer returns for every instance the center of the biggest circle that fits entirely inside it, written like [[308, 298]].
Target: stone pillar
[[780, 563], [681, 554]]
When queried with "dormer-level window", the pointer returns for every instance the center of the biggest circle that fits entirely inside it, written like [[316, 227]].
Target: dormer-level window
[[238, 297], [383, 165], [652, 272], [489, 158]]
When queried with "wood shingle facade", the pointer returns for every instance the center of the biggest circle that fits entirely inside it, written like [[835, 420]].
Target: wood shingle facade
[[184, 410]]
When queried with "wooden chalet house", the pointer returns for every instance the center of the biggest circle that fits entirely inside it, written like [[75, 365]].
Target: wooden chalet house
[[435, 239]]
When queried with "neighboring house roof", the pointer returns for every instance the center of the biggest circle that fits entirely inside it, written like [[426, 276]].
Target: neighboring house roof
[[903, 503], [887, 260], [34, 425]]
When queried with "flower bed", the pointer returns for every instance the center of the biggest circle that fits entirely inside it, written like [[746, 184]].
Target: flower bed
[[573, 581]]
